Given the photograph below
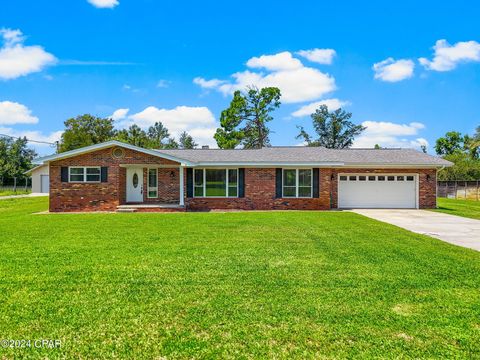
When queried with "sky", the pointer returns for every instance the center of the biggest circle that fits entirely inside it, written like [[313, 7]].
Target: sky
[[407, 70]]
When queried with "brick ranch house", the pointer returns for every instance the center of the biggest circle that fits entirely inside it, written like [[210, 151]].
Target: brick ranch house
[[114, 176]]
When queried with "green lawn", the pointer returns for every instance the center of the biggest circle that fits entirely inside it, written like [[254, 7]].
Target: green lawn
[[232, 285], [11, 192], [465, 208]]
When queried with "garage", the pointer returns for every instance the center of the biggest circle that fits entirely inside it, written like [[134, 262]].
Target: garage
[[377, 191]]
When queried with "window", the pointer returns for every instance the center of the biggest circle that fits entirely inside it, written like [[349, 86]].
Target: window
[[84, 174], [391, 178], [381, 178], [353, 178], [371, 178], [362, 178], [400, 178], [409, 178], [297, 183], [215, 183], [152, 183], [343, 178]]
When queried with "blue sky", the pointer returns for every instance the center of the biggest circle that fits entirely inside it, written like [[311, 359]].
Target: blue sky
[[409, 72]]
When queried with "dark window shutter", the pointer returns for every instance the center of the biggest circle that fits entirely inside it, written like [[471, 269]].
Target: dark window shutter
[[104, 174], [278, 183], [64, 174], [241, 182], [316, 180], [189, 182]]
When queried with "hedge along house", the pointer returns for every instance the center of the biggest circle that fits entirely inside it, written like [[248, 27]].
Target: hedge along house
[[114, 176]]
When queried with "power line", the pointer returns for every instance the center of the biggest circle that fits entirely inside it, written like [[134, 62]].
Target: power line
[[29, 140]]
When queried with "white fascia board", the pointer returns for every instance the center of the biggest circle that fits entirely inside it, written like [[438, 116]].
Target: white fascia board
[[111, 143], [267, 164], [389, 166]]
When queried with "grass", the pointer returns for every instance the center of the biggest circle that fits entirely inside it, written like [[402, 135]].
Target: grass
[[11, 192], [232, 285], [465, 208]]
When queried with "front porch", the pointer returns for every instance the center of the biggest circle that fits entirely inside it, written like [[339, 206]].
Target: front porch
[[151, 187]]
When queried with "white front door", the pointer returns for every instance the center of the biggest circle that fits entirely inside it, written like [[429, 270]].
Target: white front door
[[44, 183], [134, 185], [377, 191]]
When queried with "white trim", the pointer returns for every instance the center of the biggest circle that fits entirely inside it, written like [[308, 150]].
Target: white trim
[[182, 190], [111, 143], [296, 183], [84, 181], [148, 184]]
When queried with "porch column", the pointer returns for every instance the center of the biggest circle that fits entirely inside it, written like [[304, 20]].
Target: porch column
[[182, 190]]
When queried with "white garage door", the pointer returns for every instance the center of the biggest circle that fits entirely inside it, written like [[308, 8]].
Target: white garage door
[[377, 191]]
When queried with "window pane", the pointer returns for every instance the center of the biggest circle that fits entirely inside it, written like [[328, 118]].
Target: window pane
[[409, 178], [232, 191], [198, 191], [304, 177], [353, 178], [343, 178], [304, 191], [391, 178], [371, 178], [216, 182], [152, 178], [76, 177], [92, 178], [232, 182], [362, 178], [199, 177], [381, 178], [93, 171], [289, 191], [152, 193], [289, 177], [400, 178], [76, 171]]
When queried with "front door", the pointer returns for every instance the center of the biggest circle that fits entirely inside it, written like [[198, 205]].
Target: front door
[[135, 185]]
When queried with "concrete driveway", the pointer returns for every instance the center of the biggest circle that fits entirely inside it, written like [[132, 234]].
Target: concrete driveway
[[450, 228]]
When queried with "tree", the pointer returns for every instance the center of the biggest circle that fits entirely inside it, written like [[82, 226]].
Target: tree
[[134, 135], [452, 142], [334, 129], [85, 130], [465, 168], [186, 141], [244, 122], [171, 144], [158, 135], [15, 157]]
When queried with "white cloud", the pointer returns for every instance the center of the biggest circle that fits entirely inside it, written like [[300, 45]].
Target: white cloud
[[320, 56], [163, 83], [17, 60], [392, 70], [280, 61], [15, 113], [197, 121], [332, 104], [119, 114], [41, 147], [208, 84], [447, 57], [388, 134], [104, 3], [297, 82]]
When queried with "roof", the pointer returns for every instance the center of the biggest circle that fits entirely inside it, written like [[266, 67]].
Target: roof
[[309, 155], [277, 156]]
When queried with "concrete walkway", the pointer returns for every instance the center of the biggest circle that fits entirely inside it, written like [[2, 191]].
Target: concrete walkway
[[22, 196], [450, 228]]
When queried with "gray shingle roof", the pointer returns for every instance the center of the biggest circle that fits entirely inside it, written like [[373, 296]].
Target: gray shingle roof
[[305, 155]]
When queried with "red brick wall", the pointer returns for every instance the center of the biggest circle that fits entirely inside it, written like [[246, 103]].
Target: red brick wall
[[260, 191], [106, 196], [168, 186]]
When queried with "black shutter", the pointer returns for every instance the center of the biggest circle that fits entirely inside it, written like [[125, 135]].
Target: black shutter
[[316, 189], [104, 174], [241, 182], [189, 182], [278, 183], [64, 174]]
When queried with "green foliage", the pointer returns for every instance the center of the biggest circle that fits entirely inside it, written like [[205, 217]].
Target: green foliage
[[253, 285], [465, 168], [452, 142], [158, 135], [186, 141], [244, 122], [85, 130], [334, 129], [15, 157], [134, 135]]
